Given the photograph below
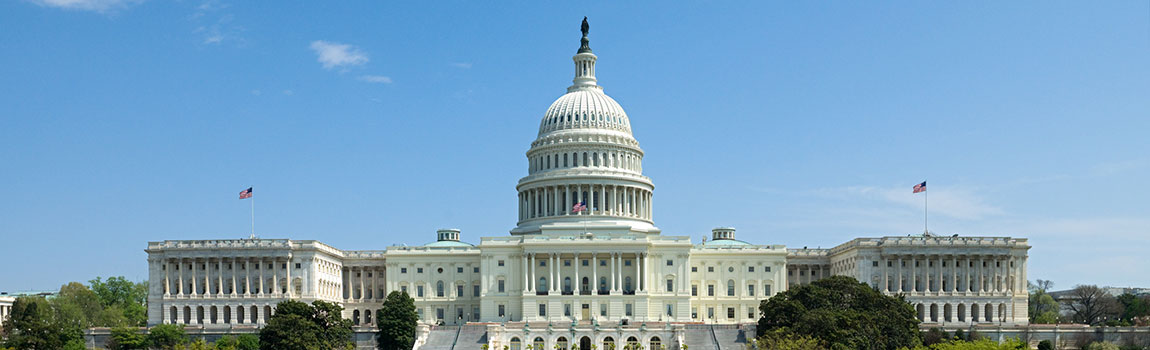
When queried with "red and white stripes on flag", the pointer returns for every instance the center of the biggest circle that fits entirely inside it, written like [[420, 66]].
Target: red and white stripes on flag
[[920, 187], [579, 207], [245, 194]]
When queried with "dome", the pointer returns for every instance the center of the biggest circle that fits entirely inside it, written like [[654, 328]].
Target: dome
[[724, 242], [585, 109], [448, 244]]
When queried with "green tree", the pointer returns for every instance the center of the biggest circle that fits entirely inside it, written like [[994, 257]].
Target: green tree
[[1045, 345], [787, 341], [128, 298], [1134, 306], [983, 344], [167, 336], [127, 338], [248, 342], [1092, 305], [844, 313], [32, 325], [227, 342], [935, 335], [299, 326], [1101, 345], [397, 321]]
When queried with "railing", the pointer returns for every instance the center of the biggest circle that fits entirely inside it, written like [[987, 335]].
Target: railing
[[540, 292], [604, 292]]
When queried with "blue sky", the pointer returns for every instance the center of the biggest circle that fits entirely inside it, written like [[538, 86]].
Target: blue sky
[[365, 124]]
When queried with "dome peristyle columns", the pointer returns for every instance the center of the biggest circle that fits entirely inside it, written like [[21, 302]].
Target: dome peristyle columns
[[601, 199]]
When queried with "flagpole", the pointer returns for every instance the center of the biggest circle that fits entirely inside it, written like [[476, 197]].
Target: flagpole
[[925, 210], [253, 198]]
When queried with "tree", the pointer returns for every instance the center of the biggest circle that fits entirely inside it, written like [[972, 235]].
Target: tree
[[167, 336], [248, 342], [32, 325], [1134, 306], [983, 344], [935, 335], [1092, 305], [128, 297], [127, 338], [299, 326], [1101, 345], [787, 341], [844, 313], [1045, 345], [1042, 308], [397, 321]]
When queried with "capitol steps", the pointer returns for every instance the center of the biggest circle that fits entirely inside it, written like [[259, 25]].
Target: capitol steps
[[441, 338]]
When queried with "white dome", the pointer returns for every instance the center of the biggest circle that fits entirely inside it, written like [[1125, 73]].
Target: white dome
[[585, 109]]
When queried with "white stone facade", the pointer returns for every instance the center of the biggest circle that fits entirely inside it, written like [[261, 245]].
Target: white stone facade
[[608, 264], [6, 302]]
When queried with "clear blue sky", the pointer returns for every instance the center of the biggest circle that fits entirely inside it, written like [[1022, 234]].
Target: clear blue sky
[[365, 124]]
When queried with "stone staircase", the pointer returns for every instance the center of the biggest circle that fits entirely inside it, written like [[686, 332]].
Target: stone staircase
[[441, 338], [699, 337], [471, 337]]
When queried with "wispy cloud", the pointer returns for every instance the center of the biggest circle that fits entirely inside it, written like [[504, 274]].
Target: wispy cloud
[[953, 201], [101, 6], [379, 79], [461, 65], [336, 55]]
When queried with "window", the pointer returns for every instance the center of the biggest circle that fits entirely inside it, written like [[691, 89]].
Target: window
[[602, 262], [730, 288], [670, 286], [711, 312], [502, 286], [566, 262], [670, 262], [750, 312], [694, 290], [541, 263], [502, 310], [750, 269], [459, 291], [475, 290], [419, 291], [766, 269], [751, 290], [694, 269], [670, 310], [626, 262], [538, 343], [500, 264], [230, 266], [889, 263], [567, 310], [403, 270], [439, 289], [694, 313], [766, 290], [874, 263], [515, 344], [710, 290], [439, 313], [543, 310], [403, 289], [585, 263], [603, 310], [475, 270], [628, 309], [731, 269], [730, 312], [419, 270], [459, 270], [710, 269]]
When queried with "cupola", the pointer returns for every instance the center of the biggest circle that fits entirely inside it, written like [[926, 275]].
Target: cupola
[[722, 233]]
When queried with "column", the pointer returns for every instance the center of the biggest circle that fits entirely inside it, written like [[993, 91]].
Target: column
[[575, 283], [638, 274], [611, 276], [260, 265], [526, 278], [953, 274], [913, 273], [195, 278], [938, 281], [594, 275], [235, 287], [885, 273], [167, 283], [220, 277], [247, 276], [180, 268], [900, 287], [551, 269]]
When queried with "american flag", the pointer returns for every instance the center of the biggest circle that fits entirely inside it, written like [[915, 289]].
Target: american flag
[[920, 187], [245, 194], [582, 206]]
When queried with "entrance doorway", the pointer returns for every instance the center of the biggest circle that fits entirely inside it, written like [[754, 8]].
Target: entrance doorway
[[585, 343], [586, 313]]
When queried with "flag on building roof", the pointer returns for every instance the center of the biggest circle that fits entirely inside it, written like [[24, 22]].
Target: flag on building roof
[[245, 194], [582, 206], [920, 187]]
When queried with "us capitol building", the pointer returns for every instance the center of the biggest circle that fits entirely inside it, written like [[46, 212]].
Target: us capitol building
[[602, 275]]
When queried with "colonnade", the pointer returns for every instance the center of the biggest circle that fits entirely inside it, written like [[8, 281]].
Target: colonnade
[[364, 283], [953, 273], [601, 199], [206, 314], [969, 313], [614, 282], [802, 274], [626, 160], [228, 276], [5, 310]]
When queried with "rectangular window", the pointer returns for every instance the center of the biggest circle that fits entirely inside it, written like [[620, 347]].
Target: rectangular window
[[711, 312], [542, 262], [419, 291], [750, 290], [567, 310], [710, 290], [230, 266], [730, 313], [502, 286], [475, 290], [403, 289], [603, 310], [585, 263], [459, 270], [731, 289], [670, 310], [566, 262], [543, 310], [874, 263], [710, 269], [500, 264], [694, 313], [628, 309], [502, 310], [419, 270], [475, 270], [694, 269], [602, 262], [459, 291], [403, 270], [766, 269], [670, 286], [889, 264], [750, 269], [439, 313], [670, 262], [475, 313], [767, 290], [627, 263], [750, 312], [694, 290]]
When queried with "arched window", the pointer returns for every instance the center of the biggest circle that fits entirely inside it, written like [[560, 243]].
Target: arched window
[[355, 317], [585, 159], [515, 343], [627, 284], [655, 344], [575, 159], [567, 284], [564, 160], [538, 344], [608, 343], [561, 343], [585, 285], [730, 288], [439, 289], [367, 317], [542, 287], [632, 343]]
